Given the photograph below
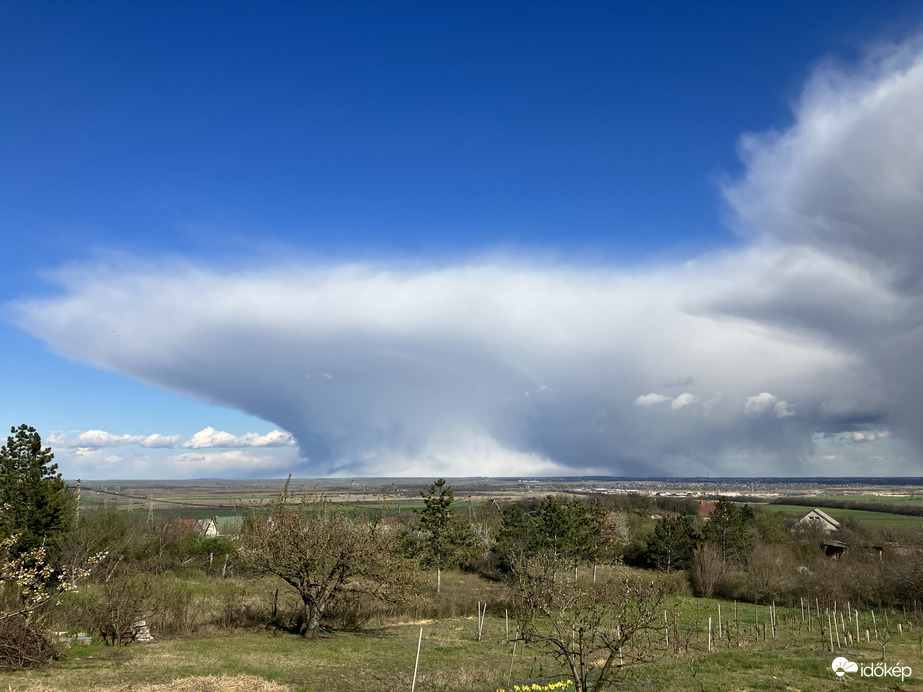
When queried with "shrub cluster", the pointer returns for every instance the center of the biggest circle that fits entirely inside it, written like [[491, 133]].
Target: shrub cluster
[[23, 645]]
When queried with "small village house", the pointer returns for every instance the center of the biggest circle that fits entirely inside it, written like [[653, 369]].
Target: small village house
[[818, 519], [205, 527]]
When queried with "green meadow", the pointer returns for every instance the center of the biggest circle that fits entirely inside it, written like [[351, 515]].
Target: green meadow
[[746, 655], [877, 519]]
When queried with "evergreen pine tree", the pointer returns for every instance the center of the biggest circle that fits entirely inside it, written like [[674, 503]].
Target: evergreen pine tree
[[671, 544], [566, 531], [448, 540], [731, 529], [39, 505]]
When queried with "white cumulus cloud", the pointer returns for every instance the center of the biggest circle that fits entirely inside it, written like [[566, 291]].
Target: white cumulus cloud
[[651, 399], [209, 437], [683, 400], [160, 463], [96, 439], [759, 404]]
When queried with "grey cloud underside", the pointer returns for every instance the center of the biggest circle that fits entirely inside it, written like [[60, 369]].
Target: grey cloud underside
[[426, 361], [845, 186], [822, 311]]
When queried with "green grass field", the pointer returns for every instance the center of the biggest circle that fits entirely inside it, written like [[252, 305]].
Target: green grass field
[[906, 500], [880, 519], [452, 660]]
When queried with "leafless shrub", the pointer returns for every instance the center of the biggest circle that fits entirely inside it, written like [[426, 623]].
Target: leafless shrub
[[22, 645], [326, 553], [118, 603], [769, 573], [708, 568], [597, 631]]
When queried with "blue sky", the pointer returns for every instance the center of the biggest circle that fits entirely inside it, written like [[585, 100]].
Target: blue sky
[[433, 209]]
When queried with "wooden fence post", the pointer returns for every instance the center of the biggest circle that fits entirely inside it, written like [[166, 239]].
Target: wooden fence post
[[736, 622], [709, 632], [413, 685], [510, 676]]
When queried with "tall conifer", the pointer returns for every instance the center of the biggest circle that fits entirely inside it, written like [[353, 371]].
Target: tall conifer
[[39, 505]]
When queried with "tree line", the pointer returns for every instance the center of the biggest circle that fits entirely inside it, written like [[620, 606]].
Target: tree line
[[848, 503]]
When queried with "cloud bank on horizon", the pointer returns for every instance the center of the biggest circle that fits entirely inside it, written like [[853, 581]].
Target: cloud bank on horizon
[[795, 354], [103, 454]]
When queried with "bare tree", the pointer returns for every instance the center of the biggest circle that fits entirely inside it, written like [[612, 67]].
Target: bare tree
[[326, 553], [118, 603], [708, 568], [769, 575], [596, 630]]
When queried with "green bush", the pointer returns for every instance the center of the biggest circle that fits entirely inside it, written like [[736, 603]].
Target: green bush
[[675, 584]]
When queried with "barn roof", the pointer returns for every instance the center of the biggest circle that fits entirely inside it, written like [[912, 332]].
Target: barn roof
[[822, 515]]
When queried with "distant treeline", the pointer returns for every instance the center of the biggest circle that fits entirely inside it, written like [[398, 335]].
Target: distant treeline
[[846, 503], [641, 504]]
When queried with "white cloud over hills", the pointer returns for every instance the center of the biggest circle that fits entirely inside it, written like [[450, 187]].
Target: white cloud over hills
[[207, 453], [821, 307], [204, 439], [97, 439], [209, 437], [228, 463]]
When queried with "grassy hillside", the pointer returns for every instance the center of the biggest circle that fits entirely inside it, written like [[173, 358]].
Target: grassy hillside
[[745, 656]]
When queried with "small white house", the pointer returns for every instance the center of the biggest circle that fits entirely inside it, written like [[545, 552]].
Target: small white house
[[208, 527], [819, 519]]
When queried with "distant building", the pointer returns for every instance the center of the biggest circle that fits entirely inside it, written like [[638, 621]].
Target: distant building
[[706, 508], [819, 519], [834, 549], [208, 527], [205, 527]]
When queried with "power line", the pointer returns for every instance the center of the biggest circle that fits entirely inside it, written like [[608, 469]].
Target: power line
[[152, 499]]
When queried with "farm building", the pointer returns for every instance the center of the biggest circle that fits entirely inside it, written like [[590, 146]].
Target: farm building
[[206, 527], [817, 518], [833, 548]]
